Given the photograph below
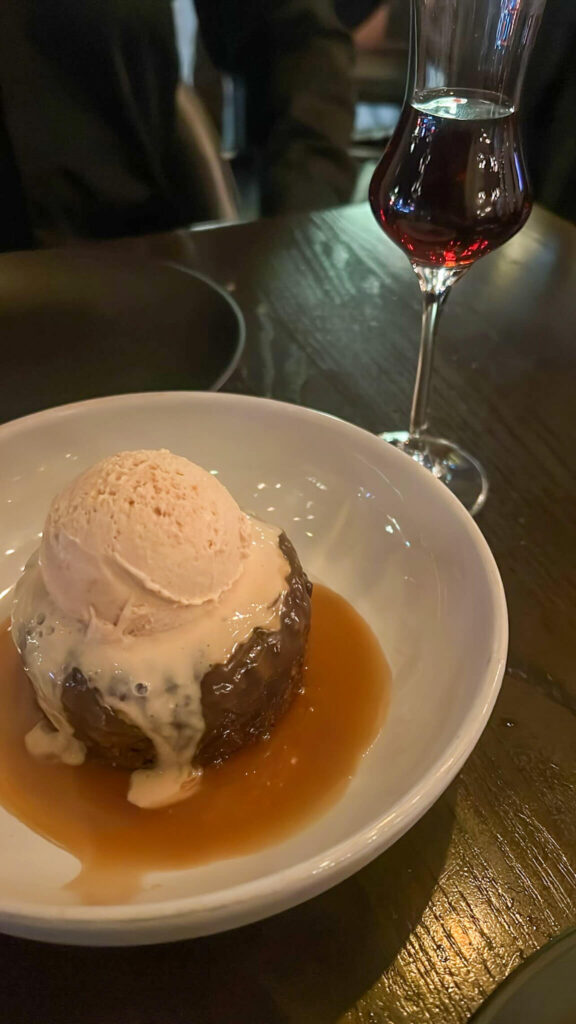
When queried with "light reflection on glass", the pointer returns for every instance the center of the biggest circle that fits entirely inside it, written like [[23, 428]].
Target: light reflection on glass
[[317, 483]]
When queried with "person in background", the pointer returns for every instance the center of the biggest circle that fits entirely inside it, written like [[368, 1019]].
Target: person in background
[[89, 146], [367, 20]]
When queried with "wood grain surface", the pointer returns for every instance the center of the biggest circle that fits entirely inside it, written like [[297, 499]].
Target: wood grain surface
[[424, 933]]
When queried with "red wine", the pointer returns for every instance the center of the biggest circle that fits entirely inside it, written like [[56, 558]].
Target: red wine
[[451, 185]]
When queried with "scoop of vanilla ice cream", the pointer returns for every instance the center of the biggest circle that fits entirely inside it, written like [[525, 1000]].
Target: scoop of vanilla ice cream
[[138, 540]]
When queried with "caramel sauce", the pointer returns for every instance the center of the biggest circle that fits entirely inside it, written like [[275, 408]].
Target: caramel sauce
[[256, 798]]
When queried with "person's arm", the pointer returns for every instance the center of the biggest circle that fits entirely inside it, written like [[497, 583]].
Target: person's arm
[[296, 61]]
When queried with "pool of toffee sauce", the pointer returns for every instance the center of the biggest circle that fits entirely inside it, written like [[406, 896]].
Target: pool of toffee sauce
[[258, 797]]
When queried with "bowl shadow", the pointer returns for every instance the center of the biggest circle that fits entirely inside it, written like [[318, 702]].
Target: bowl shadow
[[308, 965]]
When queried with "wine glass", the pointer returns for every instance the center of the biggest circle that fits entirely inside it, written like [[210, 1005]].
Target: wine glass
[[451, 186]]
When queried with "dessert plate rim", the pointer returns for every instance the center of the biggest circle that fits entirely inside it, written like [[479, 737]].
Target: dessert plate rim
[[249, 901]]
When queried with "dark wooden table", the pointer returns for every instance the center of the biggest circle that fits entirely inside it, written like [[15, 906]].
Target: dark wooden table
[[432, 926]]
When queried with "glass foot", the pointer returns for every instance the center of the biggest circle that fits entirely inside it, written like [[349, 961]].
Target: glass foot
[[461, 473]]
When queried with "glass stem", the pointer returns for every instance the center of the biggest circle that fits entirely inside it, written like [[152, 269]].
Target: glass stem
[[435, 283]]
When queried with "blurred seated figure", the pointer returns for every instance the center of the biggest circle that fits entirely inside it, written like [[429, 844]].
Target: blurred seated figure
[[90, 145], [366, 19], [380, 33]]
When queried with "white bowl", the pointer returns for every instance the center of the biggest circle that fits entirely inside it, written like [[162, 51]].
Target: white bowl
[[367, 521]]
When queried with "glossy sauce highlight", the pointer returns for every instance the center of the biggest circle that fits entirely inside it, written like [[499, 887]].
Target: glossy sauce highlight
[[257, 797]]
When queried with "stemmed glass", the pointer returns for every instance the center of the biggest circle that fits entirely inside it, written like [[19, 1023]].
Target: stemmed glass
[[451, 186]]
